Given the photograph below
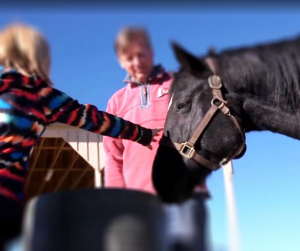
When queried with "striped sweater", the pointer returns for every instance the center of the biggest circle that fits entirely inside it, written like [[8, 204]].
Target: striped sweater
[[27, 107]]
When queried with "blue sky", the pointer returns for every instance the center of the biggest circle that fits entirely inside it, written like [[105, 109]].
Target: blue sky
[[84, 65]]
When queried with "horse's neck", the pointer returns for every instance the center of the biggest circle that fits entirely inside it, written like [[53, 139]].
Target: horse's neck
[[259, 116], [265, 106]]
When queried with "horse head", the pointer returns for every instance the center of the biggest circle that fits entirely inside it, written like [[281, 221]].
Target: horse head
[[202, 131]]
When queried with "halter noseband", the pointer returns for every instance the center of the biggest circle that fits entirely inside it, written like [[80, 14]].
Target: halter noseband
[[218, 103]]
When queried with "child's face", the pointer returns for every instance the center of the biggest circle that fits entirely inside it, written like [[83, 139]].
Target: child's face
[[137, 60]]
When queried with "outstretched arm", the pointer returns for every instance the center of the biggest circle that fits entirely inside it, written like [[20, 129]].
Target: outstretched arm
[[59, 107]]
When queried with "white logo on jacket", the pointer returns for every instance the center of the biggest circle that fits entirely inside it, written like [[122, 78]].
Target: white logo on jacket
[[162, 91]]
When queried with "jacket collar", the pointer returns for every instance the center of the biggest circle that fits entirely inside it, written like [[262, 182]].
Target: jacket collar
[[13, 78], [157, 73]]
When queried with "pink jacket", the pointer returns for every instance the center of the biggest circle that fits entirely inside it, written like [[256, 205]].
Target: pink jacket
[[129, 164]]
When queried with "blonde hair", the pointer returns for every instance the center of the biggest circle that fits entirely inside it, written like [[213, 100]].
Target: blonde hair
[[129, 34], [23, 48]]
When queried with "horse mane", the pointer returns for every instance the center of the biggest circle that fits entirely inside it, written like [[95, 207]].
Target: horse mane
[[271, 70]]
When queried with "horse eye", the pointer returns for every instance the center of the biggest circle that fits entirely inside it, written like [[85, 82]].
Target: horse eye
[[183, 105]]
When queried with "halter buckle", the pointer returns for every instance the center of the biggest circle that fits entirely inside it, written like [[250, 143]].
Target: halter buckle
[[187, 150]]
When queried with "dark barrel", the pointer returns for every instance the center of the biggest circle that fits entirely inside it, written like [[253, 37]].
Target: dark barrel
[[94, 219]]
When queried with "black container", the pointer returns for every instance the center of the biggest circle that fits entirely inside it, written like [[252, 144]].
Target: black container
[[95, 219]]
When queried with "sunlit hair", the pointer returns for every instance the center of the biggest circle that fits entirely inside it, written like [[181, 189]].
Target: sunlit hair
[[129, 34], [24, 48]]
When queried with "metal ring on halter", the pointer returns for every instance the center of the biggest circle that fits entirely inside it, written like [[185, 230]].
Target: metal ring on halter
[[215, 100], [210, 82]]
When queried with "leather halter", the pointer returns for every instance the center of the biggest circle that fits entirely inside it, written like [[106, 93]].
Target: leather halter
[[218, 103]]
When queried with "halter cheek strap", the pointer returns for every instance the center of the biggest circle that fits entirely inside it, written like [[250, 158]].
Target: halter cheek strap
[[218, 103]]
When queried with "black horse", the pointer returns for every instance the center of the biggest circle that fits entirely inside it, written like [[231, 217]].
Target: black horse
[[215, 100]]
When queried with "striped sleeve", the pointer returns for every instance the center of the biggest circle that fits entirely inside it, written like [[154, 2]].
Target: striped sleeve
[[59, 107]]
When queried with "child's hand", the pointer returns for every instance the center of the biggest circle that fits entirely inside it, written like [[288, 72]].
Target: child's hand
[[155, 132]]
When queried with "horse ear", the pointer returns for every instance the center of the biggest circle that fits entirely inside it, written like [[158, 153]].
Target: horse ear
[[188, 61]]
